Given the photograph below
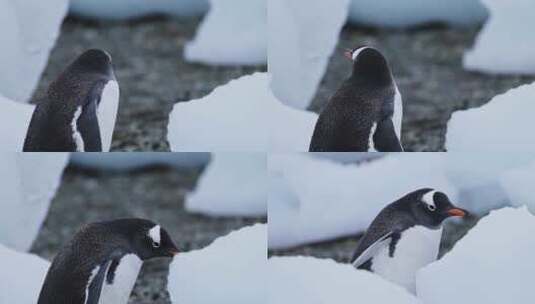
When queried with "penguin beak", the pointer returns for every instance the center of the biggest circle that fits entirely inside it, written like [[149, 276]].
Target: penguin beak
[[348, 53], [457, 212]]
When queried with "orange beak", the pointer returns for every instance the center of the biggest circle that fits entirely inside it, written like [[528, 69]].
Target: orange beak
[[348, 54], [456, 212]]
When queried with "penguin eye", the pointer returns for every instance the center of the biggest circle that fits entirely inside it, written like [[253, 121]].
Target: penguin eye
[[155, 244], [431, 207]]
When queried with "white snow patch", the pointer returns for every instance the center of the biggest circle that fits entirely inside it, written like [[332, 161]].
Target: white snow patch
[[491, 264], [28, 32], [233, 267], [29, 182], [233, 184], [505, 45], [302, 35], [21, 277], [233, 32], [242, 115], [319, 281], [518, 184], [505, 124], [15, 118]]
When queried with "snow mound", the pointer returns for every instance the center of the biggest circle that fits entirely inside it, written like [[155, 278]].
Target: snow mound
[[302, 36], [240, 116], [125, 9], [15, 118], [134, 160], [491, 264], [233, 184], [318, 281], [518, 185], [503, 124], [504, 44], [21, 277], [30, 29], [312, 199], [232, 268], [29, 183], [406, 13], [232, 33]]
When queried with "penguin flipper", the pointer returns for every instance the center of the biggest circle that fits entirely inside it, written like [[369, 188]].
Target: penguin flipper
[[95, 286], [88, 125], [359, 259], [385, 138]]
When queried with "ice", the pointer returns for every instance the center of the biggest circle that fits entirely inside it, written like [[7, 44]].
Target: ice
[[241, 116], [493, 263], [28, 32], [502, 125], [124, 9], [319, 281], [232, 33], [134, 160], [302, 35], [312, 199], [21, 277], [15, 118], [233, 184], [230, 270], [518, 185], [406, 13], [29, 182], [504, 44]]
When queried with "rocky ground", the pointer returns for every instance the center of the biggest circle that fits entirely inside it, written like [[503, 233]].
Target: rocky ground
[[427, 65], [154, 193], [149, 65]]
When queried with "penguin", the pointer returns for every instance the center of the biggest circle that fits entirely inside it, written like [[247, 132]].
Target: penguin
[[405, 236], [365, 113], [78, 111], [102, 261]]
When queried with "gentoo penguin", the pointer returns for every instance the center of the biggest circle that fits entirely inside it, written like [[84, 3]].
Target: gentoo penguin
[[365, 113], [405, 236], [79, 108], [102, 261]]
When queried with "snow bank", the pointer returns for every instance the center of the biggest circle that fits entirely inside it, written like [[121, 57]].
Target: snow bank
[[233, 184], [313, 199], [21, 277], [28, 32], [318, 281], [135, 160], [233, 32], [230, 270], [124, 9], [302, 36], [29, 181], [518, 184], [406, 13], [15, 118], [505, 44], [493, 263], [503, 124], [240, 116]]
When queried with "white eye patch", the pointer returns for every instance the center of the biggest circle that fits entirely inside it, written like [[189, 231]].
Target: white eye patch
[[428, 198], [357, 52], [154, 234]]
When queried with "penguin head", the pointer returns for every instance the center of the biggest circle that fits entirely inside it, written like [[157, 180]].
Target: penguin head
[[369, 64], [149, 240], [430, 207], [93, 62]]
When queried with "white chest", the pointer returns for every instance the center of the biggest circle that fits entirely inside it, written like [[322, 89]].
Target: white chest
[[123, 283], [398, 112], [417, 247], [107, 113]]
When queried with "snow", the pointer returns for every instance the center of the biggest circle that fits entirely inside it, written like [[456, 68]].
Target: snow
[[518, 185], [230, 270], [125, 9], [29, 181], [29, 31], [21, 277], [233, 184], [302, 35], [232, 33], [15, 118], [318, 281], [312, 199], [135, 160], [491, 264], [502, 125], [504, 44], [406, 13], [240, 116]]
